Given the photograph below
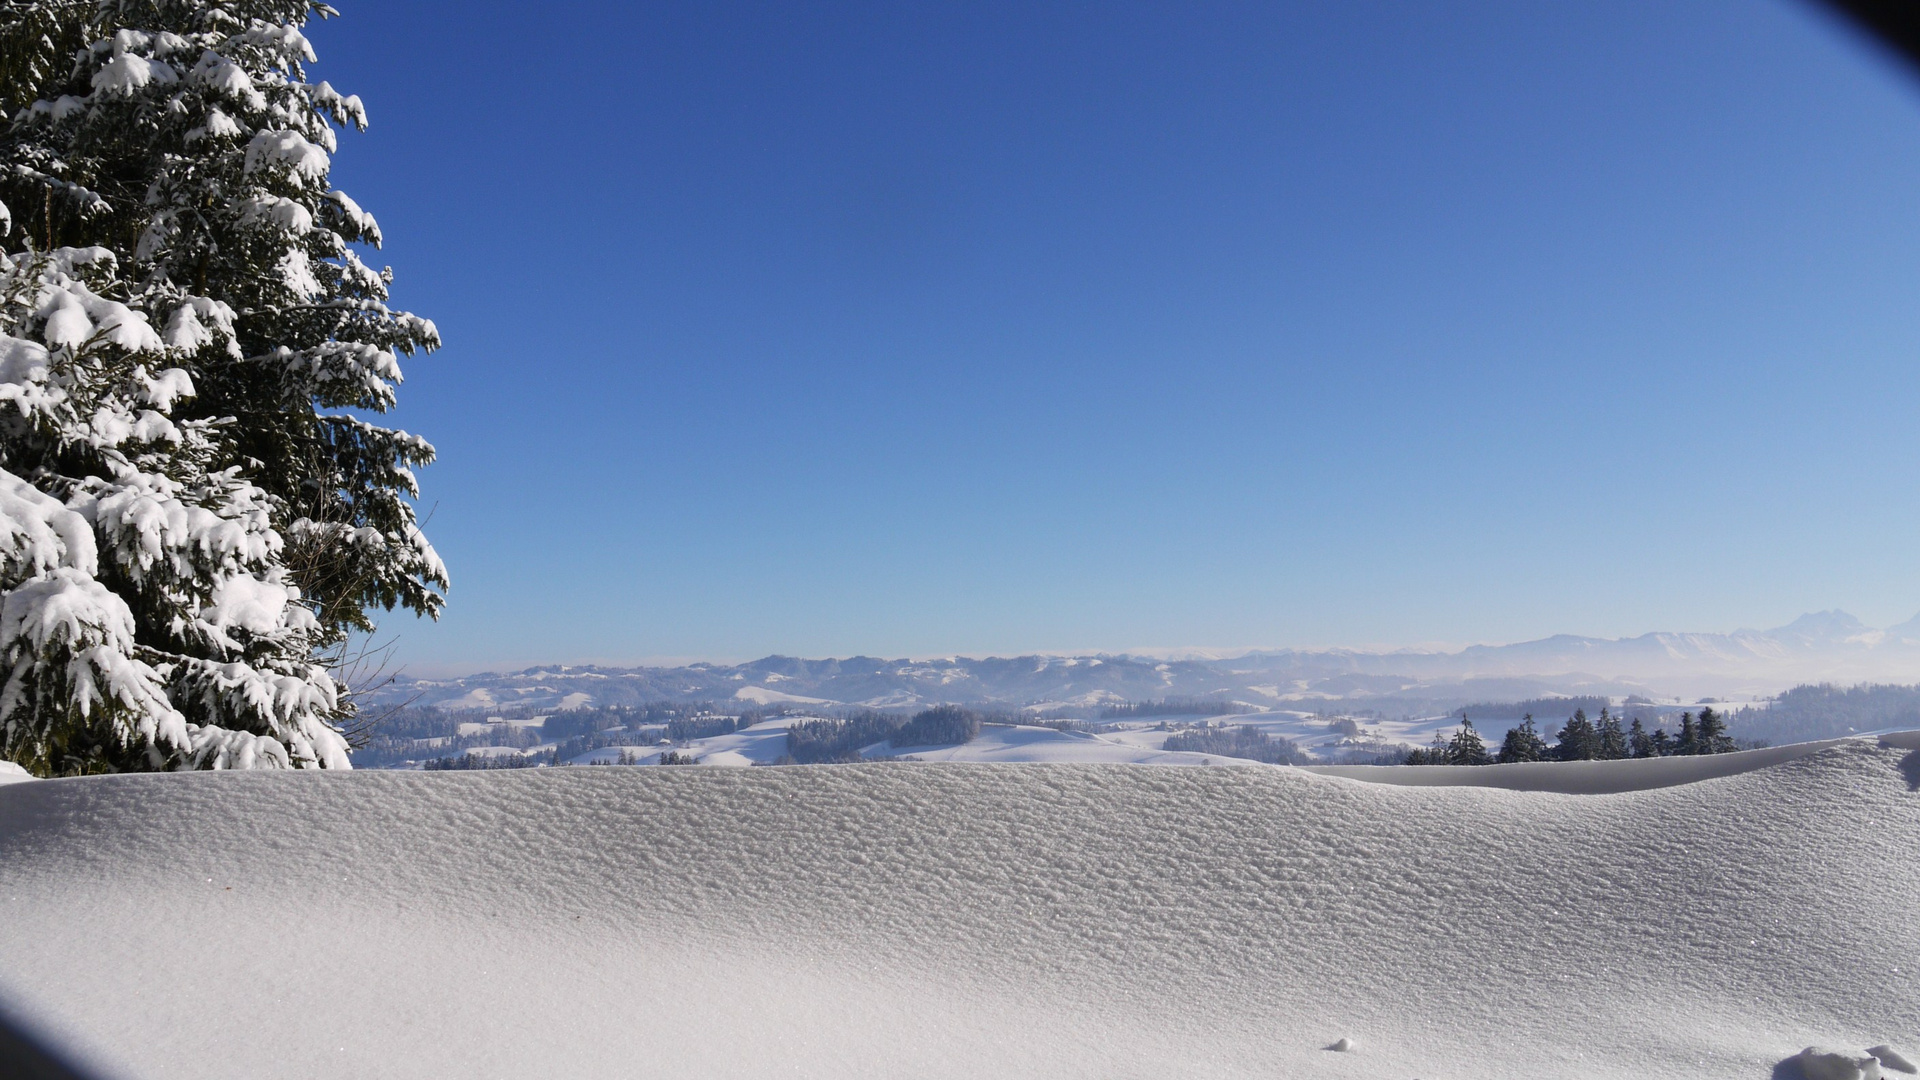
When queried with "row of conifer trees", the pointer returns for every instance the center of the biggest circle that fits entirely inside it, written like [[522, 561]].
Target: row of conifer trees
[[1581, 740]]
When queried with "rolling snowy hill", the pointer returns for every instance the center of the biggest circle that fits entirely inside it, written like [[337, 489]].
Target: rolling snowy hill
[[967, 921]]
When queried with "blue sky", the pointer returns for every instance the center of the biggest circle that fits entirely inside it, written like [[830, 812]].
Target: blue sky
[[912, 329]]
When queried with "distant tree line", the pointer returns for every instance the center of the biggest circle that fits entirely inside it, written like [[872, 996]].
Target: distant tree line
[[570, 723], [828, 742], [391, 740], [683, 730], [1083, 727], [1827, 711], [1241, 741], [397, 739], [1173, 707], [942, 725], [599, 740], [833, 742], [483, 761], [682, 721], [1507, 710], [1581, 740]]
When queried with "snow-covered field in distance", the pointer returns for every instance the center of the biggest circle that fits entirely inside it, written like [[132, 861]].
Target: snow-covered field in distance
[[1134, 741], [967, 920]]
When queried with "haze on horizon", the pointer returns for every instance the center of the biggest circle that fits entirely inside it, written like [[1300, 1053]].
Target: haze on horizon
[[915, 332], [1824, 630]]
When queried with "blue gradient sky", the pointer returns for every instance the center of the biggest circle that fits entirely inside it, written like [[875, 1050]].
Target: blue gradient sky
[[907, 329]]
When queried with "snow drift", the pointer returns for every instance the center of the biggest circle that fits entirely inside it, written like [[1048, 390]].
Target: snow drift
[[964, 920]]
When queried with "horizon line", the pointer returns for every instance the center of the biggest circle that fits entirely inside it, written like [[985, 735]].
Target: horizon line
[[1165, 654]]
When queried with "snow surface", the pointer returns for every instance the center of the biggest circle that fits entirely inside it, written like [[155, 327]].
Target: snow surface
[[965, 920], [760, 695], [1890, 1058]]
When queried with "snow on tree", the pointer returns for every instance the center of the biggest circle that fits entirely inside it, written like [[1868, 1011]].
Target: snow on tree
[[194, 512]]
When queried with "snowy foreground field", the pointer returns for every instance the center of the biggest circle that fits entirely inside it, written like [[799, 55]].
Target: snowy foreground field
[[971, 920]]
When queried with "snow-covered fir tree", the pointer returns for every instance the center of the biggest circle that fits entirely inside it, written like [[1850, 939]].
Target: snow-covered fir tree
[[194, 512]]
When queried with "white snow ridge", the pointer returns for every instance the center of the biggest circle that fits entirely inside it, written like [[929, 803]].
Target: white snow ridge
[[956, 920]]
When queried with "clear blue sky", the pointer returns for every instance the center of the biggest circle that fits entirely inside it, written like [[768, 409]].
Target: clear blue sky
[[911, 329]]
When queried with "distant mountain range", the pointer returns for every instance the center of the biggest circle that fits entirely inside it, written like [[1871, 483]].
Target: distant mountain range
[[1828, 646]]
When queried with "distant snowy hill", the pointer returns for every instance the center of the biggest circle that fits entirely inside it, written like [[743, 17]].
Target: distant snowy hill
[[1821, 647]]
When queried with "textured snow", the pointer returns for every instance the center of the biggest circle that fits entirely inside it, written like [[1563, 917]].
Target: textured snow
[[1818, 1063], [250, 604], [216, 72], [289, 150], [1890, 1058], [89, 630], [272, 210], [126, 73], [964, 920], [38, 534], [74, 312]]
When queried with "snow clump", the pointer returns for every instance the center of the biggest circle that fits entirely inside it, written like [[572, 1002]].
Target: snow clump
[[1817, 1063], [1892, 1059]]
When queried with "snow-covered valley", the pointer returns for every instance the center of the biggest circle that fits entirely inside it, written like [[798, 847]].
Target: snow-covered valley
[[971, 920], [1318, 738]]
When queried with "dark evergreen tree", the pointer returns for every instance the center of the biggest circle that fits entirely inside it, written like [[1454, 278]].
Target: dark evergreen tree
[[1466, 746], [1712, 733], [941, 725], [194, 352], [1639, 743], [1523, 743], [1612, 740], [1689, 742], [1578, 740]]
